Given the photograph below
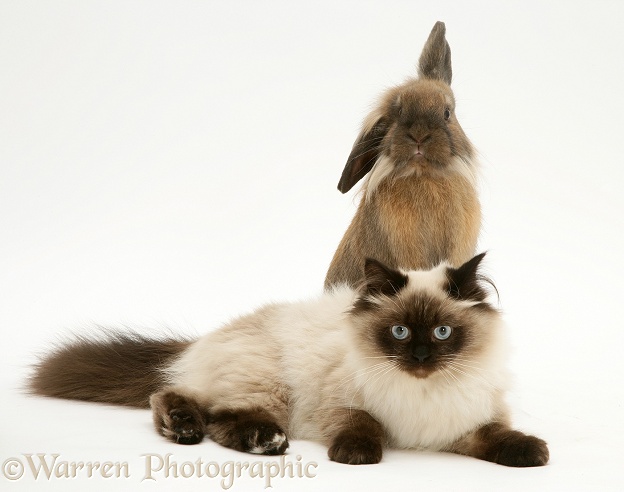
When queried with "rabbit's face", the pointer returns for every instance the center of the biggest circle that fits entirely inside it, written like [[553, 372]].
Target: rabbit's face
[[422, 128], [414, 126]]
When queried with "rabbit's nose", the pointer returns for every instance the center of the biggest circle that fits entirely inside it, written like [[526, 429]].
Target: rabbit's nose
[[420, 139], [423, 138]]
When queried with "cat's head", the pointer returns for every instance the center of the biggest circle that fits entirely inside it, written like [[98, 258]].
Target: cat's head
[[431, 321]]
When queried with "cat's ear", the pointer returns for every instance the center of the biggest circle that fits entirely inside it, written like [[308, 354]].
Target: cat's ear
[[381, 280], [466, 283]]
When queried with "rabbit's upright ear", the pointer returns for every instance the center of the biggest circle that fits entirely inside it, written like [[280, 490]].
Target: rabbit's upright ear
[[364, 154], [435, 59]]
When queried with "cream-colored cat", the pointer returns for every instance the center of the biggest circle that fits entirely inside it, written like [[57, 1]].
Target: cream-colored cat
[[409, 360]]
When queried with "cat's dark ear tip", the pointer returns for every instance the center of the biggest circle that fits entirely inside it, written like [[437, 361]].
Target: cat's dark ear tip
[[466, 282], [375, 267], [382, 279], [472, 263], [478, 258], [372, 262]]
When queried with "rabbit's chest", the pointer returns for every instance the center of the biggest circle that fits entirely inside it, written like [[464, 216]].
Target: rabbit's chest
[[427, 219]]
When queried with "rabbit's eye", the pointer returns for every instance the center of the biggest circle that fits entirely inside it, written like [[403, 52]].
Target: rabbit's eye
[[447, 114]]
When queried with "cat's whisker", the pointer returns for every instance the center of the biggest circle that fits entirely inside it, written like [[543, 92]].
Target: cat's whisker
[[402, 301], [382, 357], [461, 361], [469, 366], [473, 368], [404, 307], [370, 372], [459, 358], [399, 302], [472, 376], [392, 366], [363, 372], [364, 369], [388, 367], [451, 375], [442, 372], [358, 387], [469, 370], [393, 301]]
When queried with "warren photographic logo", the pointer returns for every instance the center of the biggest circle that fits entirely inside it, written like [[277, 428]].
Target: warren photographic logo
[[156, 467]]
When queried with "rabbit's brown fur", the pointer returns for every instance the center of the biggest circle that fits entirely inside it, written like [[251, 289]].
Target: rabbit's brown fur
[[420, 203]]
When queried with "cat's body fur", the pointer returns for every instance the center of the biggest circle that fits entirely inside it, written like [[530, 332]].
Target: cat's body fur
[[327, 370], [318, 367]]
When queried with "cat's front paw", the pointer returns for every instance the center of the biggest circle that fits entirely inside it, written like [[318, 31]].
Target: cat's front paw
[[355, 449], [520, 450], [265, 439], [250, 431]]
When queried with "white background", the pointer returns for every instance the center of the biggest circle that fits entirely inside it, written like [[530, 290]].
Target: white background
[[170, 165]]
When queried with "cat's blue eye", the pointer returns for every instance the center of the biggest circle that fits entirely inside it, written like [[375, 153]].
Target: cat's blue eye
[[442, 332], [400, 332]]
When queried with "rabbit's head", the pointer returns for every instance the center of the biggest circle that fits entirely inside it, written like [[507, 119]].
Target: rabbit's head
[[413, 127]]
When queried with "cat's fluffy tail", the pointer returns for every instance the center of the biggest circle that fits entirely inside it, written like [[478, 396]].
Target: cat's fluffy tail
[[118, 368]]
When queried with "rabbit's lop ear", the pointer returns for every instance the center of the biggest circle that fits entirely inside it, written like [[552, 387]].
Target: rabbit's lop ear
[[364, 154], [435, 59]]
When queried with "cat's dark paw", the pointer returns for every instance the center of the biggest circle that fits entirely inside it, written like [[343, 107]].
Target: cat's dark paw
[[520, 450], [250, 431], [264, 438], [355, 449], [186, 426], [178, 417]]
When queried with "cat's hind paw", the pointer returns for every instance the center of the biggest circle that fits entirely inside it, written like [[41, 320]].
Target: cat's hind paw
[[178, 418], [185, 427]]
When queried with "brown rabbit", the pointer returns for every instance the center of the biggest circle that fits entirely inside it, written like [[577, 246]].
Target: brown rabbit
[[419, 204]]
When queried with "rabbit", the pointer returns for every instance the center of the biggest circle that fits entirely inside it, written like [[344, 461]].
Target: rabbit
[[420, 204]]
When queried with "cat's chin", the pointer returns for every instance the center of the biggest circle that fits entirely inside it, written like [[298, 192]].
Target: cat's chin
[[421, 372]]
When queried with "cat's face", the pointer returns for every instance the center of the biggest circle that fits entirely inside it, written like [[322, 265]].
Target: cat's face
[[426, 322]]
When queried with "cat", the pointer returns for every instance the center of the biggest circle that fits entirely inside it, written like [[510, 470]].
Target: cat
[[409, 360]]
